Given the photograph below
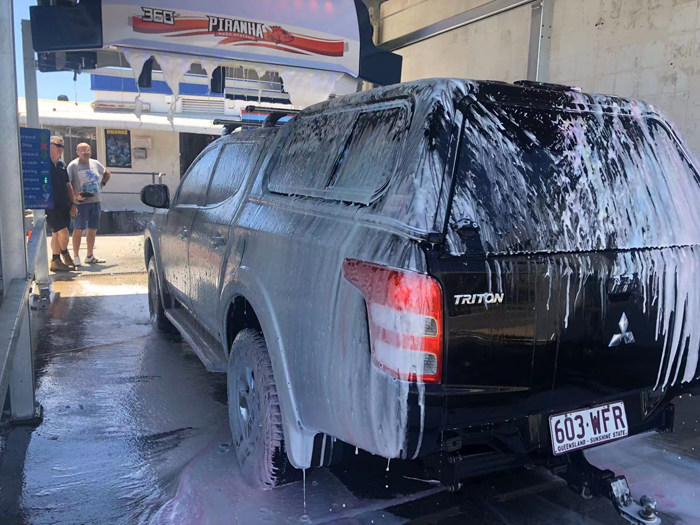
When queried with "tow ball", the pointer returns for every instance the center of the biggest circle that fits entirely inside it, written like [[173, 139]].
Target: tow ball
[[589, 481]]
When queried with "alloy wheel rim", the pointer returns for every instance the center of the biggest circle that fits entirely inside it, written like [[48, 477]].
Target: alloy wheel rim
[[152, 295], [246, 405]]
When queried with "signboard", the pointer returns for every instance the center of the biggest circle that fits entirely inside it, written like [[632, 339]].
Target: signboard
[[143, 142], [36, 168], [118, 148], [319, 34]]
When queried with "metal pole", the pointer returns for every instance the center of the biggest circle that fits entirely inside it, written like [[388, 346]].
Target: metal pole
[[22, 403], [31, 99], [13, 250], [13, 246], [41, 271], [31, 96], [482, 12], [540, 41]]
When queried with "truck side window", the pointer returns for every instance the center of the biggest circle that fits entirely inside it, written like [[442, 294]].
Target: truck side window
[[234, 164], [347, 156], [370, 158], [308, 158], [194, 186]]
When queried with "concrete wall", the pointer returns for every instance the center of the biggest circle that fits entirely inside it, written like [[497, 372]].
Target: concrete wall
[[644, 49], [492, 49], [163, 157]]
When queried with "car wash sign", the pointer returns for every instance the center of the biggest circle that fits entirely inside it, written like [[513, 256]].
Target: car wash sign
[[319, 34], [36, 168]]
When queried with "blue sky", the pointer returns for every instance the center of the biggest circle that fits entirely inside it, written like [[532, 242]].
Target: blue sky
[[50, 85]]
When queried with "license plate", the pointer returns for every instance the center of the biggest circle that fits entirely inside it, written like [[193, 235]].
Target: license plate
[[587, 427]]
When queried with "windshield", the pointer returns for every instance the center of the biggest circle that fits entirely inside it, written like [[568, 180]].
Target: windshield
[[545, 180]]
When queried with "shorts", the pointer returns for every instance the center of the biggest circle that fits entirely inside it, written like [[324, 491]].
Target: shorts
[[58, 220], [88, 216]]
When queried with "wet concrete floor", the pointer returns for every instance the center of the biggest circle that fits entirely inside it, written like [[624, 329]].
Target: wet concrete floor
[[135, 431]]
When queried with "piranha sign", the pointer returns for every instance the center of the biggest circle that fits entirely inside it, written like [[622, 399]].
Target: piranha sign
[[225, 26], [320, 37]]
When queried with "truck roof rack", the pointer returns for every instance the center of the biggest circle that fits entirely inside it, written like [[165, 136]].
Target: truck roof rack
[[274, 114], [546, 85], [272, 120], [231, 125]]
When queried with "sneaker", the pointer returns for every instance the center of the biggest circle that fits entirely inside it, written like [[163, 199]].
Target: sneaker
[[57, 265], [68, 260], [91, 259], [76, 261]]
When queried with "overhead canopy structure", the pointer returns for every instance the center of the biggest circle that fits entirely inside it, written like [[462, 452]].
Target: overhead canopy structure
[[326, 35]]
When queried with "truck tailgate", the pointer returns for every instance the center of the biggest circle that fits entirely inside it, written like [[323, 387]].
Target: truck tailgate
[[583, 326]]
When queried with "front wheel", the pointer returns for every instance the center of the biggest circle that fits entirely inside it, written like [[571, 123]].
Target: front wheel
[[254, 413], [155, 306]]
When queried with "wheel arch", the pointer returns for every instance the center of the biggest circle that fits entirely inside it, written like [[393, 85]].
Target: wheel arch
[[150, 252], [240, 315], [247, 295]]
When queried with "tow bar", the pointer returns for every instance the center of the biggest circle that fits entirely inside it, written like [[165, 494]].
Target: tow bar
[[590, 481]]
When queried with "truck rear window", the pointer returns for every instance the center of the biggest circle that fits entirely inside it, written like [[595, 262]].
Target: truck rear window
[[347, 156], [545, 180]]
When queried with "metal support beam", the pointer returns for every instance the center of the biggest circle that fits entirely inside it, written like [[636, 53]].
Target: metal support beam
[[16, 348], [540, 41], [13, 252], [31, 99], [41, 269], [22, 403], [12, 317], [31, 96], [15, 338], [493, 8]]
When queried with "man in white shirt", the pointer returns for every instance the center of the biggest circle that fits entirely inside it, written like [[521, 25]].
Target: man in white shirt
[[88, 177]]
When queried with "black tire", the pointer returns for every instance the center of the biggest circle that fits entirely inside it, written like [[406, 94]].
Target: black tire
[[155, 306], [254, 413]]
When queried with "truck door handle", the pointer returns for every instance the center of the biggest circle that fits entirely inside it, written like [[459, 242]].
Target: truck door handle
[[217, 240], [184, 233]]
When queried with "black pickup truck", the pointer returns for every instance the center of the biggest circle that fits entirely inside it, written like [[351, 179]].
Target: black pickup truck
[[480, 274]]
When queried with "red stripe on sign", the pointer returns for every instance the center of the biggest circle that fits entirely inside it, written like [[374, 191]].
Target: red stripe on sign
[[180, 25], [232, 39], [316, 38], [191, 33], [319, 47], [270, 46]]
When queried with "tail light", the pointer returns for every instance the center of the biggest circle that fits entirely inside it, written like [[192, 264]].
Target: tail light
[[404, 310]]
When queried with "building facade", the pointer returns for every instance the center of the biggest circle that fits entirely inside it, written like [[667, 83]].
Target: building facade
[[144, 135]]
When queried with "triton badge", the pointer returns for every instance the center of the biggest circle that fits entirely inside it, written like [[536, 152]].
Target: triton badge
[[480, 298], [624, 335]]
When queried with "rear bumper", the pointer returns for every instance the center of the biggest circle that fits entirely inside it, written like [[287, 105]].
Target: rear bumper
[[471, 434]]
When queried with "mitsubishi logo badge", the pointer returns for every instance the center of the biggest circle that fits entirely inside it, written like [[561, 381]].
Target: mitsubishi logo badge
[[624, 335]]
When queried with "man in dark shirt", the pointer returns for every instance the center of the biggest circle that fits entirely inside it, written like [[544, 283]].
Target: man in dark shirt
[[64, 208]]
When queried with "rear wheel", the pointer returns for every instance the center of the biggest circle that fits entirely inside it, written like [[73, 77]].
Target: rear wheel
[[155, 306], [254, 413]]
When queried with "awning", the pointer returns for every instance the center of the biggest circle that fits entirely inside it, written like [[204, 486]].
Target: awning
[[333, 35]]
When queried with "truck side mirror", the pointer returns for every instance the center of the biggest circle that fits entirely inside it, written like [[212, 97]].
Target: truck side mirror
[[156, 196]]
